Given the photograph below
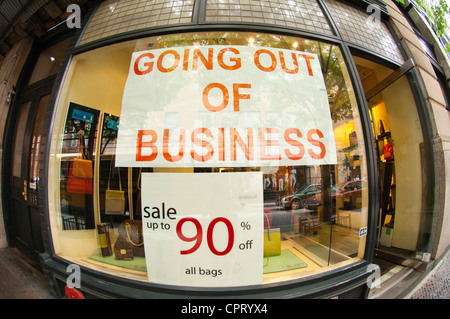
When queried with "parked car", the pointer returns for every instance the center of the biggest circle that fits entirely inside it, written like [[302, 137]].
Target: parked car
[[296, 200], [350, 192]]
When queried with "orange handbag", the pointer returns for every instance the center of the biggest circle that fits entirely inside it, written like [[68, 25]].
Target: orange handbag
[[388, 150], [82, 167], [79, 180], [79, 185]]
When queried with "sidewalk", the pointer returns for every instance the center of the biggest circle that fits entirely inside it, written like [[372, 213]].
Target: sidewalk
[[20, 280], [406, 281], [436, 285]]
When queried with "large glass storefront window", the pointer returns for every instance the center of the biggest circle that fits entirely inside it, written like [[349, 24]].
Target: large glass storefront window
[[171, 153]]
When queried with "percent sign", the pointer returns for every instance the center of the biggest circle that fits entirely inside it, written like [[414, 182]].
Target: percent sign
[[245, 226]]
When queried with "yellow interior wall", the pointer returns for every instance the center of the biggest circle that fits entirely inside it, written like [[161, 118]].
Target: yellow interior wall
[[99, 79], [395, 105], [407, 137], [97, 82], [380, 113], [341, 134]]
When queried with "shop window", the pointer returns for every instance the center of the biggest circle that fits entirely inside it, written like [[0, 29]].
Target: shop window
[[220, 190]]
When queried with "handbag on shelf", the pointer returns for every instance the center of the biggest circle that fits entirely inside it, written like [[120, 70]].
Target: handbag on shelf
[[104, 239], [82, 167], [114, 199], [381, 129], [130, 242], [123, 250], [79, 180], [388, 150], [272, 241], [79, 185]]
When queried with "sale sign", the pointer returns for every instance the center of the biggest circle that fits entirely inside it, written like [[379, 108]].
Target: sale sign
[[203, 230], [218, 106]]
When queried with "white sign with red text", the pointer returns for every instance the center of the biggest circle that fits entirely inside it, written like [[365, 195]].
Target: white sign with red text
[[219, 106], [203, 230]]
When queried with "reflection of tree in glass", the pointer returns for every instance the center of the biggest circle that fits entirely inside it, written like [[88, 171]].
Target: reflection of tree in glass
[[331, 63], [340, 106]]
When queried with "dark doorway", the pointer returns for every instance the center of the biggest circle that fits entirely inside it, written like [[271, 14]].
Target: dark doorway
[[23, 145], [23, 169]]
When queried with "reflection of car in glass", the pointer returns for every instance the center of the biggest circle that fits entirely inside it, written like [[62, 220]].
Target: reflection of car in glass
[[349, 191], [295, 201]]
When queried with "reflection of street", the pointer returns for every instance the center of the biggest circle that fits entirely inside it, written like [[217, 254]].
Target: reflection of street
[[279, 218], [302, 228], [286, 220]]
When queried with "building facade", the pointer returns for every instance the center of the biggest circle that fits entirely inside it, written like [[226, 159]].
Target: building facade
[[276, 149]]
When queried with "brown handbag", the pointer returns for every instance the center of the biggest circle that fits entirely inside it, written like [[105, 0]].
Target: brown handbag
[[130, 242]]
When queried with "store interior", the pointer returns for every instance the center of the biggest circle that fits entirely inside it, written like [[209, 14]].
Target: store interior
[[399, 147], [318, 234]]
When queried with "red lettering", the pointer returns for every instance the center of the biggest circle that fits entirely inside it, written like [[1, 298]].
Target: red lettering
[[186, 59], [150, 144], [175, 62], [263, 143], [308, 63], [295, 143], [205, 97], [148, 65], [235, 137], [221, 144], [237, 96], [316, 143], [283, 63], [258, 63], [207, 63], [181, 144], [237, 61], [202, 143]]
